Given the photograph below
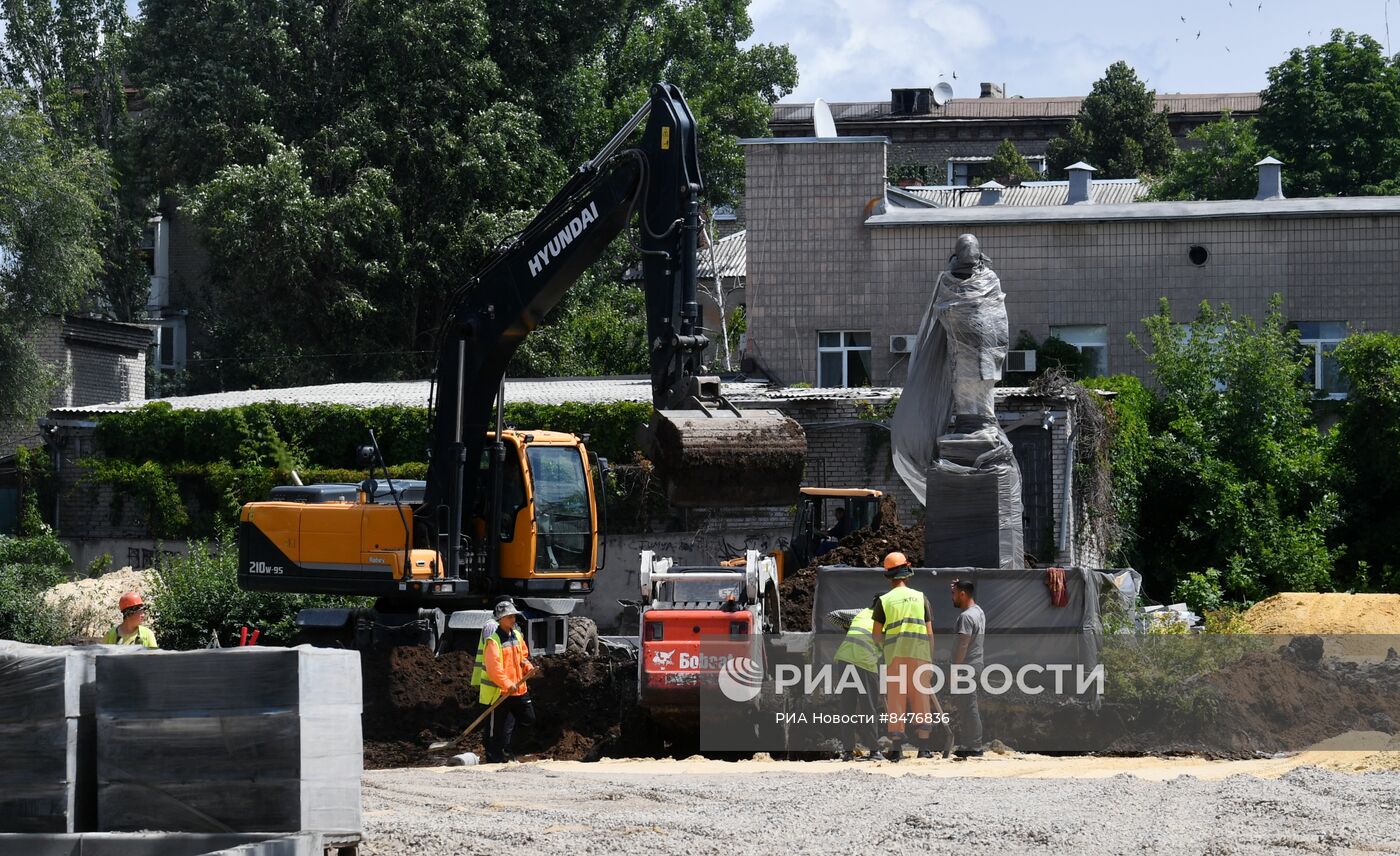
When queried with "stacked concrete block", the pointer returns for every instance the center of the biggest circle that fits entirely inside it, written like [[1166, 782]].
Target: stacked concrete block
[[43, 745], [244, 739]]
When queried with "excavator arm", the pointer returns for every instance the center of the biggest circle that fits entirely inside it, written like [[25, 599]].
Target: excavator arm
[[706, 451]]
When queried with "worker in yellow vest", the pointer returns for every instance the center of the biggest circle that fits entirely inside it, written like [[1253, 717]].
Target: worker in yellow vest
[[507, 661], [903, 629], [859, 711], [132, 630]]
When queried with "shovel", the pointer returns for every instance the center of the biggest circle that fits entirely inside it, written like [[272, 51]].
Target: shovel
[[443, 744]]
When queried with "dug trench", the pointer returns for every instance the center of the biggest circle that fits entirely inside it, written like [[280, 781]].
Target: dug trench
[[586, 708]]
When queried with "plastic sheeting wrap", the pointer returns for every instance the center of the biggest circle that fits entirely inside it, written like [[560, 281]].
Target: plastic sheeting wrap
[[946, 442], [235, 740], [41, 745]]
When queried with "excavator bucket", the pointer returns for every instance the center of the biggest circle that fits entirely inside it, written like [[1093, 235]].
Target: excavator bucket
[[727, 458]]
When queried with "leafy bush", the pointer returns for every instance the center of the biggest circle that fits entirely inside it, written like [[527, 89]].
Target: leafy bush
[[197, 594], [1200, 591], [190, 471], [1235, 476], [28, 566], [1366, 461], [42, 549]]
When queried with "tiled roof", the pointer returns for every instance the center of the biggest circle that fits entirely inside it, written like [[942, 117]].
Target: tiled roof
[[731, 256], [1109, 191], [1014, 108], [109, 334]]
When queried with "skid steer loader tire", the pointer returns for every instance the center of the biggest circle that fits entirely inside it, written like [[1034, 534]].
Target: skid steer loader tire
[[583, 636]]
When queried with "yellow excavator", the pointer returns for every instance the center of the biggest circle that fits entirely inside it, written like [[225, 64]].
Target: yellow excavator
[[518, 512]]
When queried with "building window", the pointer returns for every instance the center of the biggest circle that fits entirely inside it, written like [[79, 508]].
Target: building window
[[966, 172], [1322, 338], [843, 359], [1090, 340], [170, 344]]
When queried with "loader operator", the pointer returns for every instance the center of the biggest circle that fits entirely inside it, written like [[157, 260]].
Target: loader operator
[[858, 650], [903, 630], [507, 659], [132, 630]]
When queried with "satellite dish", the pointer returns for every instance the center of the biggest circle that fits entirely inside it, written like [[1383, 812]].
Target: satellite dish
[[821, 117], [942, 94]]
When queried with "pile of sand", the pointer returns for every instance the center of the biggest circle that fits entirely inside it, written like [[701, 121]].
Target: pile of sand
[[1323, 614], [92, 602], [1354, 625]]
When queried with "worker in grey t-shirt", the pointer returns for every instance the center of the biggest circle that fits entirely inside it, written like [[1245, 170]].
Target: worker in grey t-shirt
[[971, 629]]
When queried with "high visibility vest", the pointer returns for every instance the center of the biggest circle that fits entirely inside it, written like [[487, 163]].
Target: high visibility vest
[[143, 637], [858, 648], [905, 633], [479, 664], [489, 690]]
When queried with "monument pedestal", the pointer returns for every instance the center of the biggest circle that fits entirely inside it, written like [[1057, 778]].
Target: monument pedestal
[[974, 503]]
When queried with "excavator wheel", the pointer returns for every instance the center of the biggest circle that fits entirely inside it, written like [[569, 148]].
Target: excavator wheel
[[583, 636], [723, 460]]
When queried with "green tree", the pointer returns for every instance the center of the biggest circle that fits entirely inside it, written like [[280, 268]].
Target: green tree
[[65, 58], [1119, 130], [1217, 163], [367, 158], [1331, 113], [1008, 166], [1236, 477], [1366, 457], [49, 244]]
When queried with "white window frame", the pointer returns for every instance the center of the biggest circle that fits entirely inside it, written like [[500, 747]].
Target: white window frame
[[1083, 336], [172, 330], [1317, 344], [844, 349]]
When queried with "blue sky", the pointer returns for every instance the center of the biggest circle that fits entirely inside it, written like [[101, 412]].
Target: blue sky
[[857, 50]]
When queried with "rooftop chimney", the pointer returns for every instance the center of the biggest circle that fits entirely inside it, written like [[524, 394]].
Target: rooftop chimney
[[992, 90], [1270, 179], [1080, 184], [991, 192]]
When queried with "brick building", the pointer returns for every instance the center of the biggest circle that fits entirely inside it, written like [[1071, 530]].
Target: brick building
[[955, 139], [97, 361], [839, 275]]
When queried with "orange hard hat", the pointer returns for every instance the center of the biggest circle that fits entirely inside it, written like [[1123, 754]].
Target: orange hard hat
[[130, 600], [895, 560]]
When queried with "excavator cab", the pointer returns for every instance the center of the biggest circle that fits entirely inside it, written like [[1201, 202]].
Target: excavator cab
[[814, 526], [549, 530]]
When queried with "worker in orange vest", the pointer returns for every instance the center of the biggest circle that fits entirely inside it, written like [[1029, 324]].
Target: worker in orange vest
[[507, 660], [132, 630]]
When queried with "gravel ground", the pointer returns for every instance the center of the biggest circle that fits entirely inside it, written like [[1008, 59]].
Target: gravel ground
[[544, 809]]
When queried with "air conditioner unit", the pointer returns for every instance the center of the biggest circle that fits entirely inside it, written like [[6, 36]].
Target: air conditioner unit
[[902, 344], [1020, 361]]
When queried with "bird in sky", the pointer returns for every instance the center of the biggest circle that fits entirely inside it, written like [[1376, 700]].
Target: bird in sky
[[1183, 19], [1198, 35], [1227, 49], [955, 75]]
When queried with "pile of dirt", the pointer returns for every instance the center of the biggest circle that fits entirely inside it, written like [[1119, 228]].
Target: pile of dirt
[[1273, 701], [1328, 613], [864, 548], [91, 603], [413, 698]]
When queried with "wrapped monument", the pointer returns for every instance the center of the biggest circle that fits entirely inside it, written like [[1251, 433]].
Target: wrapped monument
[[948, 446], [240, 739]]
